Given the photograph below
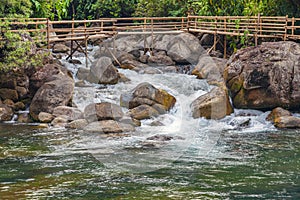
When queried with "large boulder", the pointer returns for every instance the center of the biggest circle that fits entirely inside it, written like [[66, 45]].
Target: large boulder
[[145, 93], [103, 111], [127, 43], [185, 48], [212, 105], [210, 68], [265, 77], [43, 75], [108, 126], [52, 94], [103, 72]]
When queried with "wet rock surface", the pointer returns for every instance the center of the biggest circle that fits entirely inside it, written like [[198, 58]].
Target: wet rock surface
[[103, 111], [57, 92], [147, 101], [103, 72], [265, 77], [212, 105]]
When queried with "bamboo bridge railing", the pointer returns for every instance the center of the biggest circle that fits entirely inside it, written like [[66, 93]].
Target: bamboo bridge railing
[[49, 32]]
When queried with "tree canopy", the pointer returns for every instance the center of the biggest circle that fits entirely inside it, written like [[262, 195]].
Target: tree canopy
[[91, 9]]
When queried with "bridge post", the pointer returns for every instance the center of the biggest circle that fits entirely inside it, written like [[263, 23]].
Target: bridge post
[[188, 23], [215, 34], [85, 43], [285, 28], [293, 26], [225, 39], [152, 36], [256, 30], [48, 34], [72, 32]]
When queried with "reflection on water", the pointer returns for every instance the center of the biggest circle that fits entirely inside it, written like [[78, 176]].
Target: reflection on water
[[242, 165]]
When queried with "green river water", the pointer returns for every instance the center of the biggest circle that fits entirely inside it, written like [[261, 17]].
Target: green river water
[[261, 165]]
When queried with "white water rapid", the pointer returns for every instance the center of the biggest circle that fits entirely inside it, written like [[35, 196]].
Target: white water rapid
[[134, 151]]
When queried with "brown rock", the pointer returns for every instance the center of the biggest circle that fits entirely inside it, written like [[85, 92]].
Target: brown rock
[[287, 122], [146, 90], [184, 48], [213, 105], [103, 111], [43, 75], [8, 81], [45, 117], [210, 68], [161, 60], [265, 77], [103, 72], [143, 112], [19, 106], [22, 80], [22, 92], [6, 113], [52, 94], [6, 93], [278, 112], [128, 61], [9, 103]]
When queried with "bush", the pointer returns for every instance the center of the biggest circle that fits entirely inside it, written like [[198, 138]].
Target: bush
[[17, 50]]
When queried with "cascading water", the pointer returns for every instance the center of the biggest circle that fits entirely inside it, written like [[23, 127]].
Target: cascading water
[[134, 152]]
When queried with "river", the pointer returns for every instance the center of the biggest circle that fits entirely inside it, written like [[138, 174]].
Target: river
[[239, 157]]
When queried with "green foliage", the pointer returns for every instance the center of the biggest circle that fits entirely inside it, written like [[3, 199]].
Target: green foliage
[[114, 8], [15, 8], [154, 8], [50, 8], [82, 9], [244, 7], [91, 9], [17, 50]]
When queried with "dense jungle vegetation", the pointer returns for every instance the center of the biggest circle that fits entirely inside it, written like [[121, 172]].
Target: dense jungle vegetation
[[91, 9]]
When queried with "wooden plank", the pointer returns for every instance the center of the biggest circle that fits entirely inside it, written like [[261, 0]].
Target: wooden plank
[[149, 32]]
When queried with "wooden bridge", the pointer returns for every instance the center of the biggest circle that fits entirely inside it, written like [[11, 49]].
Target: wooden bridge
[[50, 32]]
